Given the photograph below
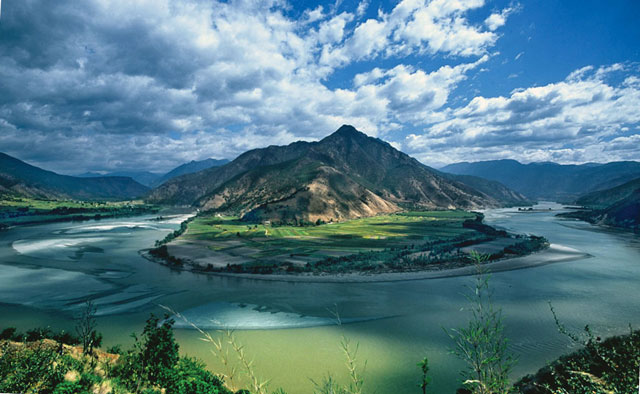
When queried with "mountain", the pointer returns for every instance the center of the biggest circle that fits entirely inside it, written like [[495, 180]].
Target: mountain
[[608, 197], [345, 175], [188, 168], [550, 181], [145, 178], [18, 178], [618, 206], [493, 189]]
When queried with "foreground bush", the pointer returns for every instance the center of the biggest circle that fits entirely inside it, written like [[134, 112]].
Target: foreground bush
[[601, 367], [153, 365]]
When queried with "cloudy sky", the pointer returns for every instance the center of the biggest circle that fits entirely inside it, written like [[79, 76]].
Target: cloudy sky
[[98, 85]]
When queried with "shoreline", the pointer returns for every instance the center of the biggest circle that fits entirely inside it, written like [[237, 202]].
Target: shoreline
[[553, 254]]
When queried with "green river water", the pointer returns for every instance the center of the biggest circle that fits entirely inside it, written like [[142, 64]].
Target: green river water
[[47, 271]]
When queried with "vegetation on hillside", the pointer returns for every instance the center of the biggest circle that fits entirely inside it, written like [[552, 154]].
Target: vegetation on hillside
[[618, 207], [343, 176], [600, 366], [19, 179], [51, 363]]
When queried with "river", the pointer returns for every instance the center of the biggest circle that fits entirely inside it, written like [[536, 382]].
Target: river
[[47, 272]]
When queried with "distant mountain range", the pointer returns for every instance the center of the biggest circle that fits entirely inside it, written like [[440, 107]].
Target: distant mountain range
[[18, 178], [153, 179], [142, 177], [345, 175], [188, 168], [550, 181], [618, 206]]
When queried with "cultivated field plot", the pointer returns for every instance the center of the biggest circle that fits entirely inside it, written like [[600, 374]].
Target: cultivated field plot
[[230, 240]]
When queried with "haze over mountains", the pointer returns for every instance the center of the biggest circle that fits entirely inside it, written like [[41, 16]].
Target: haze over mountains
[[145, 178], [153, 179], [21, 179], [188, 168], [551, 181], [342, 176], [618, 206]]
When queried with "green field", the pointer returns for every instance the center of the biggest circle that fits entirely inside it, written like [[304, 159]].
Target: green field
[[16, 211], [379, 231], [226, 242]]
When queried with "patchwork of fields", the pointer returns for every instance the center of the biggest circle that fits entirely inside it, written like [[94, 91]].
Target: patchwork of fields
[[222, 240]]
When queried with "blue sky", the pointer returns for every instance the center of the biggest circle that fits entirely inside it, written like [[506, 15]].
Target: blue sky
[[146, 85]]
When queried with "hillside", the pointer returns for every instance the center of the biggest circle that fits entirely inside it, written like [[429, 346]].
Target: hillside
[[550, 181], [188, 168], [608, 197], [20, 179], [617, 207], [345, 175], [493, 189]]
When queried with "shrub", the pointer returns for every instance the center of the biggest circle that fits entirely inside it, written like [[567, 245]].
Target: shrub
[[482, 344]]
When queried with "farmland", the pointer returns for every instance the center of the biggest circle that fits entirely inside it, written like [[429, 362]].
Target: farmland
[[397, 242]]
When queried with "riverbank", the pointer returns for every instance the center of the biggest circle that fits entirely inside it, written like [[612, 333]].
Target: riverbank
[[553, 254], [390, 244], [24, 211], [601, 218]]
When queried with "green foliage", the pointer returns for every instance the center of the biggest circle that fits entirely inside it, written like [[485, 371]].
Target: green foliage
[[328, 385], [9, 334], [38, 334], [160, 350], [17, 210], [154, 362], [191, 377], [153, 365], [599, 367], [482, 344], [424, 367], [171, 236], [70, 388], [30, 369]]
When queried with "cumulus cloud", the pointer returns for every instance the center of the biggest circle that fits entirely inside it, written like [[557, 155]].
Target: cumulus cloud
[[148, 84], [575, 120], [109, 83]]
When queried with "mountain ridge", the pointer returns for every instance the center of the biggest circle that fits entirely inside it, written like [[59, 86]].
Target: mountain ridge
[[560, 182], [344, 175], [188, 168], [21, 179]]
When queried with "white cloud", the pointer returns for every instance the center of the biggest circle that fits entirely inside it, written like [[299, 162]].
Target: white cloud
[[362, 7], [117, 77], [568, 121]]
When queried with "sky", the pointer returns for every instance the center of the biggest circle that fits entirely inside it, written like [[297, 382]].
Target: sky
[[104, 85]]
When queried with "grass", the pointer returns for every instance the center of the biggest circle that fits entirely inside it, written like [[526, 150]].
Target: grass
[[16, 211], [350, 236], [385, 243]]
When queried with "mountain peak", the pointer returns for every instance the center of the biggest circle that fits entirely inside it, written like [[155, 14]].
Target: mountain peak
[[348, 130]]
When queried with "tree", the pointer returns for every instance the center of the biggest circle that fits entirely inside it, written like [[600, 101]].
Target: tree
[[86, 329], [482, 344], [159, 350]]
